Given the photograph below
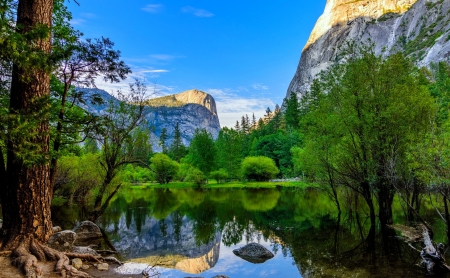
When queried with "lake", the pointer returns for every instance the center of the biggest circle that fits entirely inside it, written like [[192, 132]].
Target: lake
[[192, 232]]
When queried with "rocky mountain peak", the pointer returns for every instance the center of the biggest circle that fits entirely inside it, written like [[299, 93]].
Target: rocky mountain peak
[[417, 28], [198, 97], [345, 11]]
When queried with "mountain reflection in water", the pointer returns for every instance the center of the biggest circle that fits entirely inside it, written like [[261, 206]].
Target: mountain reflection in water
[[188, 231]]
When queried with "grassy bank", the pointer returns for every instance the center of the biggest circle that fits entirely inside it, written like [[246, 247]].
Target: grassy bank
[[232, 184]]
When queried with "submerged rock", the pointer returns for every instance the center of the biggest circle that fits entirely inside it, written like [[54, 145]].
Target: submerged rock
[[62, 241], [254, 253]]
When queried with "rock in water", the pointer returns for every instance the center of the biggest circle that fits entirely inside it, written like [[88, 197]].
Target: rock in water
[[62, 241], [86, 232], [254, 253]]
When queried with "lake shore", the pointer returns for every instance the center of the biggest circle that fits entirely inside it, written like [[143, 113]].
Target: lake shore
[[231, 184]]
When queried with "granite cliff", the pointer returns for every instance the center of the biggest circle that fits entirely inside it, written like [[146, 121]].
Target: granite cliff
[[190, 109], [418, 28]]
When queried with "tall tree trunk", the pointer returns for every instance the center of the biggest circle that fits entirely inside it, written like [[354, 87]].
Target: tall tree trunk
[[385, 200], [28, 193]]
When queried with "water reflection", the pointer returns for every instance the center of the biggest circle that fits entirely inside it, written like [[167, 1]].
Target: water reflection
[[194, 231]]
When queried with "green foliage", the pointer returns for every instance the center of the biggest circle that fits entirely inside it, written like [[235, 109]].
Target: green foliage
[[202, 151], [360, 126], [259, 168], [164, 168], [78, 178], [219, 175], [177, 150], [292, 113], [163, 140], [229, 151], [197, 177], [137, 174]]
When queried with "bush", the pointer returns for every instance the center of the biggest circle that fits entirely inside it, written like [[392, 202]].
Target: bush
[[196, 176], [164, 168], [259, 168], [184, 171], [219, 175]]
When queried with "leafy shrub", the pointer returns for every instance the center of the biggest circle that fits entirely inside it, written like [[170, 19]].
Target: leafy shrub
[[164, 168], [196, 176], [219, 175], [259, 168]]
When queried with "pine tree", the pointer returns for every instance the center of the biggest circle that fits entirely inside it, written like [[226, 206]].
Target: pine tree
[[162, 140], [177, 149], [292, 113], [237, 127]]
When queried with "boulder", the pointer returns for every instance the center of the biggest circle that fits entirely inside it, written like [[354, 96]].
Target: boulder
[[254, 253], [103, 266], [77, 263], [86, 232], [62, 241], [57, 229], [84, 250]]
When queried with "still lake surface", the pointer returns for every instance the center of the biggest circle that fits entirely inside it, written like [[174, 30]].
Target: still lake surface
[[192, 232]]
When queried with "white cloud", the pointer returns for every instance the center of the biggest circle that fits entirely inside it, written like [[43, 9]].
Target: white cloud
[[259, 86], [77, 21], [155, 71], [197, 12], [153, 8], [231, 106], [88, 15], [163, 57]]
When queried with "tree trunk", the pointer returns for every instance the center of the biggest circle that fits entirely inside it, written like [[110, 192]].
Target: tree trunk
[[28, 194], [385, 200]]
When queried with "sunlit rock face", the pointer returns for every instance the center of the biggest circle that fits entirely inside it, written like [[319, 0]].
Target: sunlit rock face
[[159, 243], [198, 97], [190, 109], [419, 28]]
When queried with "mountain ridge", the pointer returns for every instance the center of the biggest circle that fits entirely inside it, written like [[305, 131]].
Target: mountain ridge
[[420, 30]]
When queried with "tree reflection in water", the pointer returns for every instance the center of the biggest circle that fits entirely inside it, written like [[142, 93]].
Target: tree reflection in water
[[183, 224]]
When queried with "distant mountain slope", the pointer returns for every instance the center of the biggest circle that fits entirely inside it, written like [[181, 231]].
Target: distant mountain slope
[[419, 28], [190, 109]]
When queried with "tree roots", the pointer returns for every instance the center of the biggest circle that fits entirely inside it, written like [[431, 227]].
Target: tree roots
[[27, 255]]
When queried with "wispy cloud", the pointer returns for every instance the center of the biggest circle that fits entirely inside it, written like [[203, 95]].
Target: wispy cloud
[[77, 21], [231, 106], [164, 57], [259, 86], [197, 12], [88, 15], [153, 8], [155, 71], [153, 59]]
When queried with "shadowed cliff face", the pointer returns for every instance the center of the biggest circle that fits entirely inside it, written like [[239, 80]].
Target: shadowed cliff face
[[190, 109], [419, 28]]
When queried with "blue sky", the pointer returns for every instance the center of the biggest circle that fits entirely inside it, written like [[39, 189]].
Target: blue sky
[[244, 53]]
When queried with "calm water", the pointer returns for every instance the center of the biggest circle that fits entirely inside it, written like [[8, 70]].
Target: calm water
[[192, 232]]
